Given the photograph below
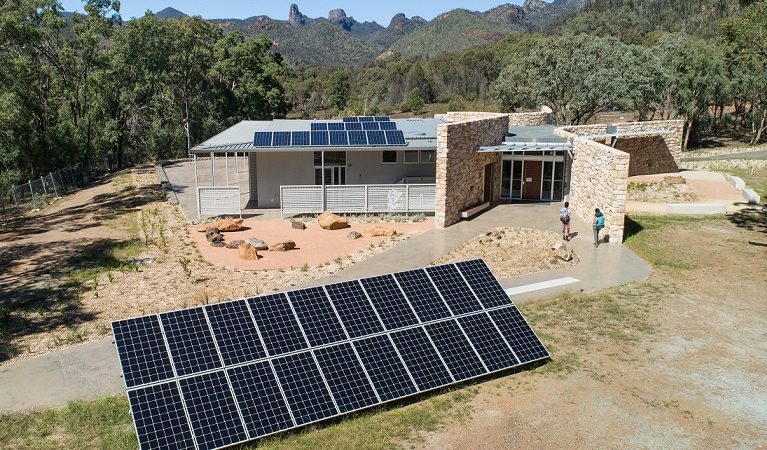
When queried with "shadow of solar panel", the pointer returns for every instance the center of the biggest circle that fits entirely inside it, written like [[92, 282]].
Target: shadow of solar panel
[[190, 343], [258, 395], [319, 126], [339, 138], [422, 295], [421, 359], [488, 342], [141, 347], [337, 126], [483, 282], [358, 138], [519, 335], [395, 137], [281, 139], [370, 126], [454, 289], [345, 377], [319, 138], [212, 411], [159, 417], [235, 332], [316, 316], [385, 368], [356, 312], [388, 300], [456, 350], [279, 327], [300, 138], [262, 139], [388, 125], [349, 126], [307, 395]]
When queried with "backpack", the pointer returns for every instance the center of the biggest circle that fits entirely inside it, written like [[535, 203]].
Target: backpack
[[564, 214], [600, 221]]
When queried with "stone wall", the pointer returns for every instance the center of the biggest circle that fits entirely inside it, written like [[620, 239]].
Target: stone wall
[[460, 168], [600, 180], [528, 119]]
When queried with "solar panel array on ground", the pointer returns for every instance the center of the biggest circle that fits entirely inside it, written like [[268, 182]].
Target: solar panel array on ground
[[217, 375]]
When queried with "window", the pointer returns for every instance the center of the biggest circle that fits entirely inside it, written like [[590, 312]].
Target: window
[[331, 158], [411, 157], [427, 156], [388, 157], [419, 156]]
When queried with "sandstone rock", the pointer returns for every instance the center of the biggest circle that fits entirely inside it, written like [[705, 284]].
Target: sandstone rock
[[298, 225], [330, 221], [282, 246], [258, 244], [213, 235], [222, 225], [235, 244], [674, 180], [353, 235], [379, 231], [218, 244], [563, 250], [247, 252]]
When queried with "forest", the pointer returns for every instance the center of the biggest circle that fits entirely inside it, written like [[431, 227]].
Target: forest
[[79, 87]]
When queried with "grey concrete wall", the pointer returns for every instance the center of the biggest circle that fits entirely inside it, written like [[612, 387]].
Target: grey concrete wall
[[366, 168], [278, 169]]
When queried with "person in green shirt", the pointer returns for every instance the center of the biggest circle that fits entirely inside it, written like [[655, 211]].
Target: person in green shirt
[[597, 224]]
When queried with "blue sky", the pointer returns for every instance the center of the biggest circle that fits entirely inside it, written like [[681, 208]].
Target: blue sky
[[380, 11]]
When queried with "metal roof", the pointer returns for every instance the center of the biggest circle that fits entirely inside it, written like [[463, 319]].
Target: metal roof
[[628, 134], [420, 134]]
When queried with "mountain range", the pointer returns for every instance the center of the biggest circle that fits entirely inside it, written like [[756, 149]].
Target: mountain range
[[340, 40]]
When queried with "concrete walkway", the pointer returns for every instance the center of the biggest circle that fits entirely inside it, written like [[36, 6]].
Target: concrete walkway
[[92, 370]]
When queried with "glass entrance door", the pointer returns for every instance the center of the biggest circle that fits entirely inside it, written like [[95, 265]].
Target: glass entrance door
[[553, 180], [511, 179]]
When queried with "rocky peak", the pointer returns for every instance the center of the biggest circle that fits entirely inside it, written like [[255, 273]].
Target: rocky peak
[[507, 14], [534, 5], [296, 19], [338, 17], [401, 23]]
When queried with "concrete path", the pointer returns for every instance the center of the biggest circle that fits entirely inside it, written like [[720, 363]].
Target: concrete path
[[92, 370]]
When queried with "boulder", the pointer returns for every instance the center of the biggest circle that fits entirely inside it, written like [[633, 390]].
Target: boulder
[[379, 231], [283, 246], [353, 235], [298, 225], [235, 244], [247, 252], [213, 235], [222, 225], [258, 244], [563, 250], [218, 244], [330, 221]]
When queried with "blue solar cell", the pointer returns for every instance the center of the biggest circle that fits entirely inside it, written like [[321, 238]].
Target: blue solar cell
[[260, 399], [300, 138], [319, 138], [488, 342], [484, 284], [212, 411], [376, 137], [388, 300], [304, 389], [353, 126], [339, 139], [370, 126], [456, 350], [159, 417], [262, 139], [235, 332], [385, 368], [345, 377], [519, 335], [395, 137], [336, 126], [454, 290], [189, 340], [317, 317], [319, 126], [387, 125], [422, 295], [279, 327], [366, 119], [421, 358], [143, 355], [357, 314], [281, 139], [351, 119], [382, 118], [358, 138]]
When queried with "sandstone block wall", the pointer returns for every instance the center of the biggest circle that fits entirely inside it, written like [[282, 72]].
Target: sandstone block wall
[[600, 180], [528, 119], [460, 169]]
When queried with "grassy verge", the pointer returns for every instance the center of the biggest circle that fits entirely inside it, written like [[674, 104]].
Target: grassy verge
[[755, 179]]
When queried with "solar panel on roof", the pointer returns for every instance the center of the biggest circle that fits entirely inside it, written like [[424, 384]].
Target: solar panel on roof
[[339, 139], [319, 138], [336, 126], [382, 118], [281, 139], [351, 119], [358, 138], [143, 355], [376, 137], [328, 352], [395, 137], [366, 119], [300, 138], [262, 139], [370, 126], [350, 126], [319, 126], [387, 125]]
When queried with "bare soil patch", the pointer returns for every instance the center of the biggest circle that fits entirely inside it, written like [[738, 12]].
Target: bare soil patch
[[661, 192]]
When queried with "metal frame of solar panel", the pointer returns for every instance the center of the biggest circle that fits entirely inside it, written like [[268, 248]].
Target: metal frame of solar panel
[[222, 374]]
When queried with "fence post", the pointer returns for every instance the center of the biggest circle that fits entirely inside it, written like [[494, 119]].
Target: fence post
[[407, 199], [45, 189], [367, 207], [55, 191], [34, 203], [2, 203], [15, 201], [73, 177]]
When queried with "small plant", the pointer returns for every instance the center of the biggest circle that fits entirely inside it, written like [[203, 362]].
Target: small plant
[[185, 266], [110, 277], [95, 285], [305, 267]]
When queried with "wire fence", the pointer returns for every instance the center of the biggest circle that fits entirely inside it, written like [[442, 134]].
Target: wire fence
[[38, 193]]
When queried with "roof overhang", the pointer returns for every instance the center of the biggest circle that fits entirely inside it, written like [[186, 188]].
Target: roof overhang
[[526, 146], [628, 134]]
